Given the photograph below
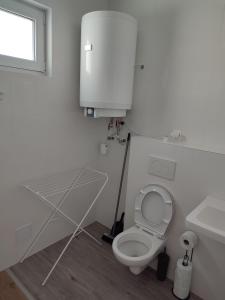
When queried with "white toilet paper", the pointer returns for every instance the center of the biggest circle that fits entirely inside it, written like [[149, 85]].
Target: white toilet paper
[[182, 280], [188, 240]]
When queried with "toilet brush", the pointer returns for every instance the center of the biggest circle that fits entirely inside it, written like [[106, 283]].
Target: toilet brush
[[118, 225]]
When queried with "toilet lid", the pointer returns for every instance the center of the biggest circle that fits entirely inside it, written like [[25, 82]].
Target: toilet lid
[[154, 209]]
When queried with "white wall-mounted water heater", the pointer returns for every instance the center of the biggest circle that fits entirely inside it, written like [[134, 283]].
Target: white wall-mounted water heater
[[108, 50]]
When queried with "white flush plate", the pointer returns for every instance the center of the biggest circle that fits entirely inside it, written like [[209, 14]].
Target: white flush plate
[[208, 219], [162, 167]]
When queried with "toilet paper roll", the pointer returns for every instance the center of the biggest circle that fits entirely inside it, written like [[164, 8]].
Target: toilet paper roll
[[182, 280], [188, 240]]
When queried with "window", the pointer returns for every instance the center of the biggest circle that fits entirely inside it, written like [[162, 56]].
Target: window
[[22, 36]]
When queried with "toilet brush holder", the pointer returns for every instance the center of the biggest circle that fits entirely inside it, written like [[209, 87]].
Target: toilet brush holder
[[163, 264]]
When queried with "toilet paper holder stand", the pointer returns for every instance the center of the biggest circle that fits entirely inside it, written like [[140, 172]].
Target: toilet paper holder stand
[[188, 241], [182, 284], [188, 257]]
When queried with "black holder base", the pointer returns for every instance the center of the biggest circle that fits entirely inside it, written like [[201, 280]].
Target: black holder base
[[188, 297], [108, 238]]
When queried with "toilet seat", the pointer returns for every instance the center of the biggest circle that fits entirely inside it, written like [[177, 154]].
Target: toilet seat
[[153, 210]]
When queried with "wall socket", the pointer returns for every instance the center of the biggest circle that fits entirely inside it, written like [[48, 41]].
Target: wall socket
[[1, 96], [23, 234]]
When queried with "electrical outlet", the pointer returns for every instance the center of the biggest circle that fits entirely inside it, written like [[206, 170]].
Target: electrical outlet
[[23, 234], [1, 96]]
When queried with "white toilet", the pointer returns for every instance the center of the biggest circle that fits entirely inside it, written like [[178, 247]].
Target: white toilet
[[140, 244]]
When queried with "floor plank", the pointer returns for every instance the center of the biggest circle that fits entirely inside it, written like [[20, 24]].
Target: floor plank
[[88, 271], [8, 288]]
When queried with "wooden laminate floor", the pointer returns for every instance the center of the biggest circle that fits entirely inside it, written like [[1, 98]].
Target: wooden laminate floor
[[88, 271], [8, 288]]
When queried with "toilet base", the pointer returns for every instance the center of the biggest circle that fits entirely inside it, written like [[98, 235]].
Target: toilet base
[[137, 270]]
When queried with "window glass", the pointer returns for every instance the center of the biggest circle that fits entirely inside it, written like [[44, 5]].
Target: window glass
[[17, 36]]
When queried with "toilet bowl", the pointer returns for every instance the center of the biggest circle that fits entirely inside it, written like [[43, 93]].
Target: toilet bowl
[[137, 246]]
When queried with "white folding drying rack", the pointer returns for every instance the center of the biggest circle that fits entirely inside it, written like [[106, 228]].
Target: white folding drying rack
[[64, 183]]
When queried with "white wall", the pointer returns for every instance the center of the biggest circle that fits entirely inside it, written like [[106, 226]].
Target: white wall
[[182, 44], [42, 129], [198, 174], [112, 164]]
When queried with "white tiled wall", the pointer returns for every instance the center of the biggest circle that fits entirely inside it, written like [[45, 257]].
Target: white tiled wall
[[198, 174]]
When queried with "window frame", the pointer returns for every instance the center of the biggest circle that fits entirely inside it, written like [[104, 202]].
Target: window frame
[[38, 16]]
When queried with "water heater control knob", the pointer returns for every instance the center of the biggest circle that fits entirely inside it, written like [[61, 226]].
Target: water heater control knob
[[89, 111], [88, 47]]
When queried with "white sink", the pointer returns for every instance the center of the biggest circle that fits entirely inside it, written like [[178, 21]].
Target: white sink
[[208, 218]]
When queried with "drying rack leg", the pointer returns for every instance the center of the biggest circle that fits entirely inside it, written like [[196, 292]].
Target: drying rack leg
[[50, 217], [59, 211], [91, 236], [75, 232], [58, 259], [36, 237]]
